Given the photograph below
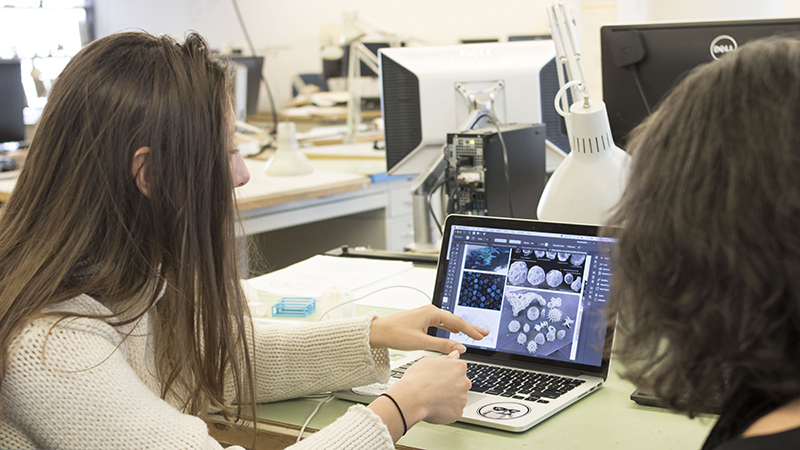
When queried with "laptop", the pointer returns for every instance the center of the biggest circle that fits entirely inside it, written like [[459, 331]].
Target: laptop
[[541, 289]]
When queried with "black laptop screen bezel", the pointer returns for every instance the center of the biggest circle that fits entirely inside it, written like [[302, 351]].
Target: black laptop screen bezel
[[520, 225]]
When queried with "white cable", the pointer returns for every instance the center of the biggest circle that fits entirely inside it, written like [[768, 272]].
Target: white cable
[[319, 405], [329, 397], [375, 292], [557, 100]]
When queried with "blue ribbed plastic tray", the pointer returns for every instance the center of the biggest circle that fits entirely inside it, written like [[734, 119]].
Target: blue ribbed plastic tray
[[294, 307]]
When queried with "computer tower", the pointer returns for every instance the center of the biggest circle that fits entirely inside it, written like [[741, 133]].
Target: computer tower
[[476, 171]]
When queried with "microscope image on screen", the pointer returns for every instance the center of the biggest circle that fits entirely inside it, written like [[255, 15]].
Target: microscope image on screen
[[486, 258], [539, 323], [562, 271], [528, 297]]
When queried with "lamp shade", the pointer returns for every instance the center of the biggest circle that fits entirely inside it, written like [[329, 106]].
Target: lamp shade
[[589, 182], [288, 160]]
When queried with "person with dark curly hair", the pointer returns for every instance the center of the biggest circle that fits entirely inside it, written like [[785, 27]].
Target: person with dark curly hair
[[707, 271]]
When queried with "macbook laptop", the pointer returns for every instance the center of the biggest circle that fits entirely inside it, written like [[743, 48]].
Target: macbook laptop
[[541, 289]]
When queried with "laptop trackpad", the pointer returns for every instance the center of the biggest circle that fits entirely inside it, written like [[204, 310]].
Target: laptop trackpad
[[474, 397]]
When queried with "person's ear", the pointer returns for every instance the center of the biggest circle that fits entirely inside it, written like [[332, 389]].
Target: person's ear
[[139, 168]]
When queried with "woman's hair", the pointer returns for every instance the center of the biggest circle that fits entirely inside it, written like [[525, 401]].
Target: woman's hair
[[77, 222], [707, 271]]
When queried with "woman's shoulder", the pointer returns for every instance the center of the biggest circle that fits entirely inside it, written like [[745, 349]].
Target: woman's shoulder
[[80, 305], [69, 337], [80, 319]]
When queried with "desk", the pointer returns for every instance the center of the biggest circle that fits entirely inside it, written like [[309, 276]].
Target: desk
[[338, 187], [606, 419], [272, 203]]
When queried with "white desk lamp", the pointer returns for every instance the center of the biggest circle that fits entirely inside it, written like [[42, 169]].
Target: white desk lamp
[[287, 160], [355, 30], [589, 182]]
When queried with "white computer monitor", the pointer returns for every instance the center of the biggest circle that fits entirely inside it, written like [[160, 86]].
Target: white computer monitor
[[421, 102]]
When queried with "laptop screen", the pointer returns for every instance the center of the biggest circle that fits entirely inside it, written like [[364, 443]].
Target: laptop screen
[[540, 288]]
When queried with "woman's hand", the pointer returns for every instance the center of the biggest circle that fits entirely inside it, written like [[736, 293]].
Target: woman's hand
[[408, 330], [434, 390]]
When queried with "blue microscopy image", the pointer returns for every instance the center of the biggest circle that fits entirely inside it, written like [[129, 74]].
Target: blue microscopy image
[[481, 290], [487, 258]]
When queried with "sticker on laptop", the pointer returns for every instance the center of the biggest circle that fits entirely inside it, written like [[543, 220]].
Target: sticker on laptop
[[504, 411]]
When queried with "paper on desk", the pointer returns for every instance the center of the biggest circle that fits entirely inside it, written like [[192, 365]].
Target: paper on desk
[[327, 131], [310, 110], [310, 277]]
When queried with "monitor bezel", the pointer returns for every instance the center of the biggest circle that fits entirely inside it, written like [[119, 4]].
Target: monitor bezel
[[617, 79]]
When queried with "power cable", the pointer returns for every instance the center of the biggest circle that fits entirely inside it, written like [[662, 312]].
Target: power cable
[[505, 159], [328, 397], [635, 70]]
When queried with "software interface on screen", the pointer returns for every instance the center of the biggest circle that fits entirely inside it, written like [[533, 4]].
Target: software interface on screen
[[540, 294]]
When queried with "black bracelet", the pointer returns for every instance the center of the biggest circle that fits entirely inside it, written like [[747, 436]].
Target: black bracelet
[[405, 427]]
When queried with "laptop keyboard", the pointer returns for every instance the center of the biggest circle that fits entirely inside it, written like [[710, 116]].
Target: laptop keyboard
[[512, 383]]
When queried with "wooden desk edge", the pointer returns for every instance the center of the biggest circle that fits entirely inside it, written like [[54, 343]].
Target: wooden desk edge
[[331, 117], [245, 204], [281, 198], [303, 194], [269, 435]]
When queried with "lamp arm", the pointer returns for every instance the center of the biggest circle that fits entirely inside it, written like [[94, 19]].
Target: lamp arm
[[569, 23], [562, 29], [366, 24], [299, 84], [561, 66], [365, 55]]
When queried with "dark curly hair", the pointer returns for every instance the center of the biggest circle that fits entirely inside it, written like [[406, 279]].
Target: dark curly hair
[[707, 270]]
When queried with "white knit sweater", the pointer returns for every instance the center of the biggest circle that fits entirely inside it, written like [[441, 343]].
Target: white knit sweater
[[79, 385]]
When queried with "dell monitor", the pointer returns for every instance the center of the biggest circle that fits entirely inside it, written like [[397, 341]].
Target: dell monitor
[[425, 95], [12, 103], [641, 63]]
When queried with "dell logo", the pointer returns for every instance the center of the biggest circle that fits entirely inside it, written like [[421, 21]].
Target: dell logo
[[721, 45]]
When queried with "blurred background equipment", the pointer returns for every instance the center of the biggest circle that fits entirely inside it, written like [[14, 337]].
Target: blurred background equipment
[[253, 65], [12, 102], [357, 53]]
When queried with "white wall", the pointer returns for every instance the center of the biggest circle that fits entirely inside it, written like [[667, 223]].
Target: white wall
[[682, 10], [288, 32]]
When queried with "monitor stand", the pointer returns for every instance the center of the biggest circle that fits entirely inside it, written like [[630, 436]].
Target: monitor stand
[[424, 186]]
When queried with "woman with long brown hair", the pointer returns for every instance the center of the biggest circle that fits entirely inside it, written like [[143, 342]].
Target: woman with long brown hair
[[707, 271], [121, 312]]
